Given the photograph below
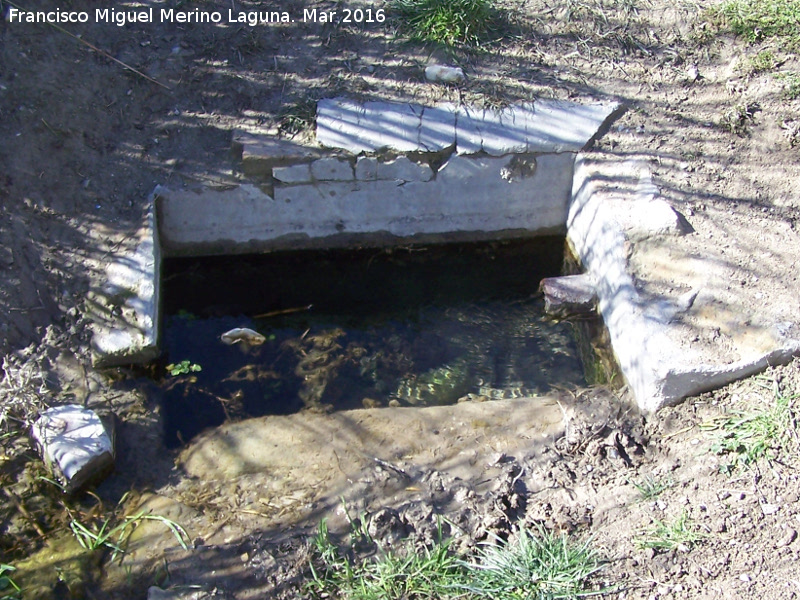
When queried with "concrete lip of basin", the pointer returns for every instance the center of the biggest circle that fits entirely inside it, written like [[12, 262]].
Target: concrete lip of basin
[[388, 173]]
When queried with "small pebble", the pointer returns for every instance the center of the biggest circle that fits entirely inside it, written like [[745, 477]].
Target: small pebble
[[770, 509], [788, 538], [745, 577]]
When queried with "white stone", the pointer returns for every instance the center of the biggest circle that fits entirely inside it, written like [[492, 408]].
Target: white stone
[[292, 174], [444, 74], [332, 169], [404, 169], [75, 444]]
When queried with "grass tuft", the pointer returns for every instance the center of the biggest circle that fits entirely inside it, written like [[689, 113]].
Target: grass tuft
[[761, 19], [748, 436], [651, 488], [447, 22], [791, 85], [536, 566], [665, 535]]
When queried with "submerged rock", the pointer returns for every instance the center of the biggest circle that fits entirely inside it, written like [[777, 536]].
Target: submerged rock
[[242, 334]]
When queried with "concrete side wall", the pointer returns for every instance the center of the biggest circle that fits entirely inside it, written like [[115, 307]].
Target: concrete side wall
[[125, 310], [613, 205], [468, 198]]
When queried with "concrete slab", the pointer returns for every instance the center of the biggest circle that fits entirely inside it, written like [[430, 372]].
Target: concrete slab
[[75, 444], [562, 126], [661, 367], [332, 169], [368, 127], [546, 126], [125, 310], [437, 130]]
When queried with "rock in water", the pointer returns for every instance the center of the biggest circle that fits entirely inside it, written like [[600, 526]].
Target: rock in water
[[242, 334], [569, 295], [76, 444]]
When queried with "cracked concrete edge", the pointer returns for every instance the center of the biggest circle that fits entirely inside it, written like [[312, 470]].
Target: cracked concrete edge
[[658, 372], [126, 307]]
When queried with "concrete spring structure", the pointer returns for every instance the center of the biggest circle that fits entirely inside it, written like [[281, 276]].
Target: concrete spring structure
[[387, 173]]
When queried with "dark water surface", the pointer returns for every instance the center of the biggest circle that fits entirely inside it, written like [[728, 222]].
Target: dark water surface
[[410, 326]]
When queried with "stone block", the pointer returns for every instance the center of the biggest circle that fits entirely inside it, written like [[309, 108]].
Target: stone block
[[332, 169], [292, 174], [569, 295], [404, 169], [367, 168], [76, 445]]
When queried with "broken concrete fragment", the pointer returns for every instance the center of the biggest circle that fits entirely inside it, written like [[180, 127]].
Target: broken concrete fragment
[[76, 445], [404, 169], [331, 169], [568, 296], [261, 153], [292, 174]]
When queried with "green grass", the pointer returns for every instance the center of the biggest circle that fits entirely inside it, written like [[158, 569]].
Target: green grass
[[763, 62], [536, 566], [665, 535], [761, 19], [650, 488], [8, 588], [430, 574], [450, 23], [762, 432], [791, 85]]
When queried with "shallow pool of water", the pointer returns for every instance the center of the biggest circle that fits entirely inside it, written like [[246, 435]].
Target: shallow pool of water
[[359, 328]]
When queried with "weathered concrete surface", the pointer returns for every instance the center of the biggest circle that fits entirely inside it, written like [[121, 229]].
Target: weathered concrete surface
[[569, 295], [75, 444], [545, 126], [125, 310], [332, 169], [468, 196], [259, 154], [613, 205]]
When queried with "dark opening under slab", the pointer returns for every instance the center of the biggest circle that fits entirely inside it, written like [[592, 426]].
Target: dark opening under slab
[[365, 327]]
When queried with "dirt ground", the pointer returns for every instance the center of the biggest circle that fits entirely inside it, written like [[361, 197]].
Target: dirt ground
[[85, 140]]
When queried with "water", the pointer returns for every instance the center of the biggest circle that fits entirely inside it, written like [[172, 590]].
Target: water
[[359, 328]]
